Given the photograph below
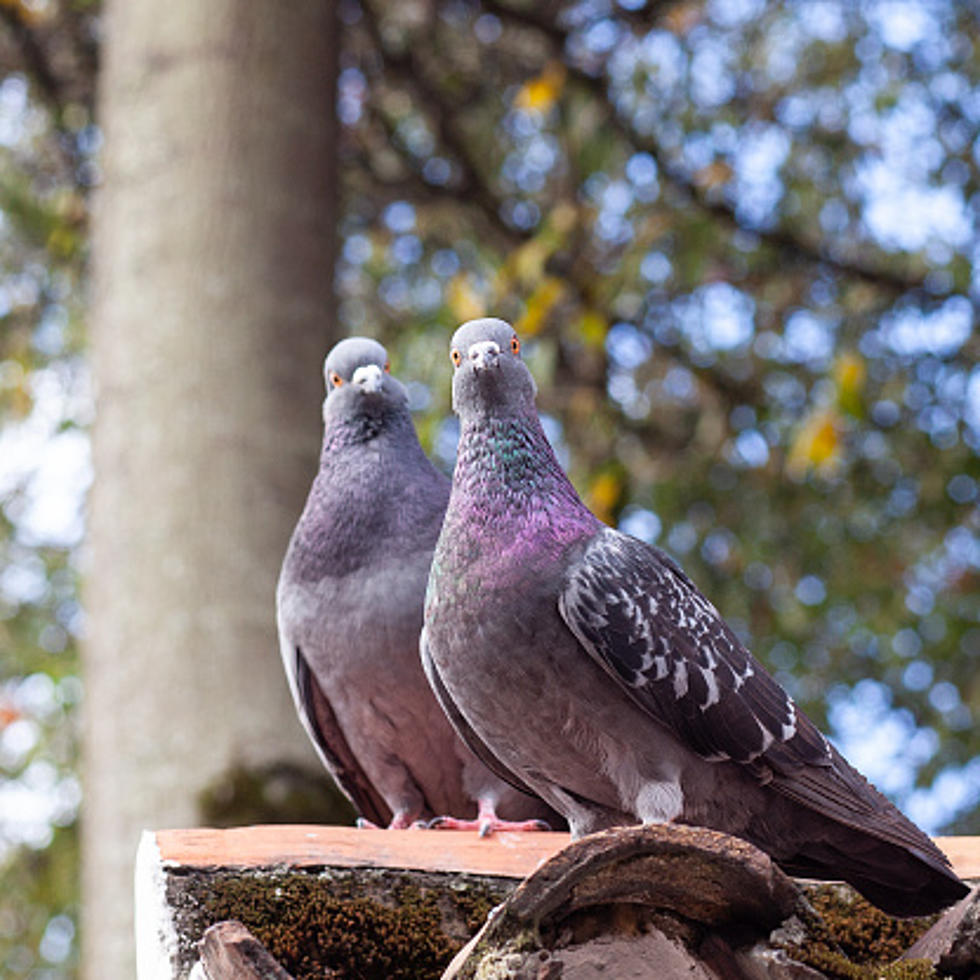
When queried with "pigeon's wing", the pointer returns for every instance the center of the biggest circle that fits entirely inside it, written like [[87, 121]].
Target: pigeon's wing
[[644, 621], [328, 737], [462, 727]]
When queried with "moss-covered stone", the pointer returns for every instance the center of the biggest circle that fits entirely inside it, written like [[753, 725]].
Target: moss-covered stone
[[853, 940], [369, 924]]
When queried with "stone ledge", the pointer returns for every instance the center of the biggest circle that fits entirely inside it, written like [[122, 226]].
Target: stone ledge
[[428, 889], [304, 846], [185, 879]]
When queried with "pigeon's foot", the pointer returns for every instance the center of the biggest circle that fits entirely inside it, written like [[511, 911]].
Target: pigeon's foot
[[487, 822]]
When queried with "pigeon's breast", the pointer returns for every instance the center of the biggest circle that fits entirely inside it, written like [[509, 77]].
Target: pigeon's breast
[[517, 675]]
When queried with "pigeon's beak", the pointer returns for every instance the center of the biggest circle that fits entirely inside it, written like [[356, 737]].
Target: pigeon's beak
[[368, 377], [484, 355]]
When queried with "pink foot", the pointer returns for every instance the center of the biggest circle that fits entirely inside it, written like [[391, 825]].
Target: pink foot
[[487, 822]]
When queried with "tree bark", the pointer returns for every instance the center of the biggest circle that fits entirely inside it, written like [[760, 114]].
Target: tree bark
[[213, 252]]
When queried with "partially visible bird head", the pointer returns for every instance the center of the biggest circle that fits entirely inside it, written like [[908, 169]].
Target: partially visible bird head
[[489, 376], [358, 381]]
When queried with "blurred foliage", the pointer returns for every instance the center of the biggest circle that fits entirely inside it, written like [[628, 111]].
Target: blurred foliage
[[47, 139], [266, 794], [739, 238]]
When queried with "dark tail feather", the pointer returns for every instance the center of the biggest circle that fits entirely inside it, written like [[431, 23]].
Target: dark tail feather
[[897, 880]]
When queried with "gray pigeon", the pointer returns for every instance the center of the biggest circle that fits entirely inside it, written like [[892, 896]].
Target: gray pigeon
[[349, 605], [585, 664]]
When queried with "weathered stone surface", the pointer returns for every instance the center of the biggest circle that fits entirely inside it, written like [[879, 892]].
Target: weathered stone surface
[[707, 876], [654, 902], [658, 902], [230, 952], [953, 943], [372, 904], [764, 963]]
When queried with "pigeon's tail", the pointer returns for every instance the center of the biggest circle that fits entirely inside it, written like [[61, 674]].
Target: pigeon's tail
[[850, 831], [901, 881]]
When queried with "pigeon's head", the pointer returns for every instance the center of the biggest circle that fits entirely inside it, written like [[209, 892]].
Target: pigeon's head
[[489, 377], [358, 381]]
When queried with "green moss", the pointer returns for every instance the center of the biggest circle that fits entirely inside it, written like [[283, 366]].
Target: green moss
[[474, 903], [367, 924], [312, 932], [857, 941]]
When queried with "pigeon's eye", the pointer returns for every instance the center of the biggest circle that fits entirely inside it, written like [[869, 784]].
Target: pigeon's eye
[[456, 357], [387, 367], [335, 379], [515, 345]]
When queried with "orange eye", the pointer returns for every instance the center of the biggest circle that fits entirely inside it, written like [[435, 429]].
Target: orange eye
[[515, 345], [387, 367], [456, 357], [335, 379]]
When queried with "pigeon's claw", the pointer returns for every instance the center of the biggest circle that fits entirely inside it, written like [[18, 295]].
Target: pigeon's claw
[[487, 822], [487, 827]]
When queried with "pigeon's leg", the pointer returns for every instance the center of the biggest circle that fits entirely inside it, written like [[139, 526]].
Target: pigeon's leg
[[487, 821], [403, 820]]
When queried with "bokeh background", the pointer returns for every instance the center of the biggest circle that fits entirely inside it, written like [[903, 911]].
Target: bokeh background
[[738, 237]]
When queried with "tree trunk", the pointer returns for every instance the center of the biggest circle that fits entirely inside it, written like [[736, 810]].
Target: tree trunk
[[213, 251]]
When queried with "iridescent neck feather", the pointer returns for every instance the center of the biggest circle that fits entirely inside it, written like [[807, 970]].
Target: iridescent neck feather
[[508, 482]]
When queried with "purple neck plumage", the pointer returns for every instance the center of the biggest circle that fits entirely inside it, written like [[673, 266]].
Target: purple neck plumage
[[509, 484]]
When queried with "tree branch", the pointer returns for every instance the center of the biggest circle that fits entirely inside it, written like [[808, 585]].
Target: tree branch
[[52, 89], [35, 59], [473, 184], [478, 190], [784, 240]]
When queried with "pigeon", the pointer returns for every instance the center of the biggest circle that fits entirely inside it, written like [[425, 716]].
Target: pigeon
[[349, 609], [585, 664]]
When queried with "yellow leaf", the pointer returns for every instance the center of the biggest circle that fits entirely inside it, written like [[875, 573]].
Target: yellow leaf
[[19, 402], [527, 263], [817, 445], [541, 93], [593, 327], [61, 242], [528, 260], [849, 375], [539, 305], [604, 495], [464, 302]]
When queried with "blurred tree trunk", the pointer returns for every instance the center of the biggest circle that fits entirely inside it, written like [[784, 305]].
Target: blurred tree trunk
[[213, 250]]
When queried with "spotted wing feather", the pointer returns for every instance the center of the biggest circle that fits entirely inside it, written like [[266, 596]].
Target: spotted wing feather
[[637, 613], [644, 621]]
